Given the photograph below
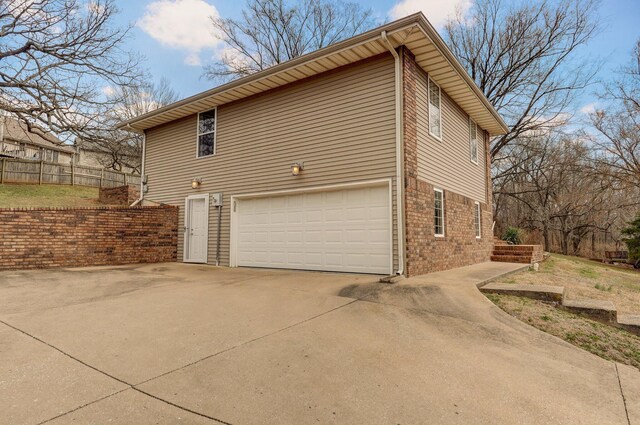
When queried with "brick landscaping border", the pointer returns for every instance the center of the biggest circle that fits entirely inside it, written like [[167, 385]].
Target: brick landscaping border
[[33, 238]]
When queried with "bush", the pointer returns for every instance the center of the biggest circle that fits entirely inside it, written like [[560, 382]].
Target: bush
[[632, 239], [513, 235]]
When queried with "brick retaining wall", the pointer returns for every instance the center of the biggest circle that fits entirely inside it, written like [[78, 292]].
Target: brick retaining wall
[[121, 195], [74, 237]]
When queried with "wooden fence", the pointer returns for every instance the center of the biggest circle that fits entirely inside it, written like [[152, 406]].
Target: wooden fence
[[41, 172]]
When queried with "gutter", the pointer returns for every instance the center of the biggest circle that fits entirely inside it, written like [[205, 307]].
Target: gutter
[[399, 152], [144, 151]]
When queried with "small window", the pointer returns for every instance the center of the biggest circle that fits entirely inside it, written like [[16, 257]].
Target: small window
[[435, 112], [207, 133], [473, 141], [478, 221], [438, 215]]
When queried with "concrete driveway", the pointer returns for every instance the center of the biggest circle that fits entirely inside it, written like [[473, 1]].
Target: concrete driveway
[[173, 343]]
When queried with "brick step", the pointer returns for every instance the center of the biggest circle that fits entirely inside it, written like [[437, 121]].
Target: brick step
[[513, 253], [511, 259], [511, 248]]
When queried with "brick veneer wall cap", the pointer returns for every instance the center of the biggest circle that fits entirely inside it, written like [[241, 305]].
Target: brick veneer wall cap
[[88, 208]]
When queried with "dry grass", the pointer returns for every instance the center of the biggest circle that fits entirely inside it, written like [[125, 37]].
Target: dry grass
[[605, 341], [25, 195], [586, 279]]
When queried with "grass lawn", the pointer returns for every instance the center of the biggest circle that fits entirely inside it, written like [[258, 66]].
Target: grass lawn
[[584, 278], [26, 195], [602, 340]]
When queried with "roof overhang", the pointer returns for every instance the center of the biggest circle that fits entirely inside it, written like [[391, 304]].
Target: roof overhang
[[414, 32]]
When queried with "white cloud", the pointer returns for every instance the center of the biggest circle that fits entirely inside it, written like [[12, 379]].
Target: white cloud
[[181, 24], [436, 11], [108, 90], [588, 108]]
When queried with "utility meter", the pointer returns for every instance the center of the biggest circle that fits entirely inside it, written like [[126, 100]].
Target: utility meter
[[216, 199]]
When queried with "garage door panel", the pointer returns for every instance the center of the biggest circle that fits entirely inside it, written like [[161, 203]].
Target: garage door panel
[[340, 230]]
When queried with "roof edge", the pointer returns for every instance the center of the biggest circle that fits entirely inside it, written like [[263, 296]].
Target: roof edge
[[417, 19], [440, 44], [366, 36]]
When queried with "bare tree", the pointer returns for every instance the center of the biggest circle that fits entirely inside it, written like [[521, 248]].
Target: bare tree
[[619, 124], [552, 182], [118, 149], [55, 57], [522, 56], [274, 31]]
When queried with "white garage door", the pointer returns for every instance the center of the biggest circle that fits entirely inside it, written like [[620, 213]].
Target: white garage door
[[346, 230]]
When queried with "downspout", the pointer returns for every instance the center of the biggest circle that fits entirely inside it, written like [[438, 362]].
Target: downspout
[[399, 152], [144, 151]]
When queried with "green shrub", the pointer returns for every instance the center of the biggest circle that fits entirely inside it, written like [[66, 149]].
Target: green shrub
[[632, 239], [513, 235]]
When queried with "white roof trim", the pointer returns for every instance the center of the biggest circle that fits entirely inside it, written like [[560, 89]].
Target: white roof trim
[[414, 31]]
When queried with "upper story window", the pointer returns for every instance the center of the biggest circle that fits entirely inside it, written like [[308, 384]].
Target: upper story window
[[435, 110], [438, 222], [478, 220], [207, 133], [473, 141]]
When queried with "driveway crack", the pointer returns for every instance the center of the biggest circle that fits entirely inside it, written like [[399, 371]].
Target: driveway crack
[[624, 399], [248, 342], [134, 386], [129, 386]]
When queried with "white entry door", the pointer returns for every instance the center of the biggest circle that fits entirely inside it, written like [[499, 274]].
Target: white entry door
[[196, 228], [346, 230]]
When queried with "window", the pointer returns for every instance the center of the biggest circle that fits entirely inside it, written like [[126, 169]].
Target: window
[[478, 221], [207, 133], [473, 141], [438, 215], [435, 113]]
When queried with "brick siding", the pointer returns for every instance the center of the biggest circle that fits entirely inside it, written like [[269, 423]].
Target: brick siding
[[121, 195], [425, 252], [74, 237]]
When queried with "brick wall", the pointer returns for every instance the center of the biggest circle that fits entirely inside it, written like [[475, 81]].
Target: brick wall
[[121, 195], [425, 252], [65, 237]]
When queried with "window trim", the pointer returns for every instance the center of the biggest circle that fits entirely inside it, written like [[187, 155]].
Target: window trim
[[429, 81], [439, 235], [215, 134], [477, 160], [477, 213]]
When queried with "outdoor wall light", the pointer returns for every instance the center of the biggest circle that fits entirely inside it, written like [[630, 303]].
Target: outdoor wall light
[[297, 168], [195, 183]]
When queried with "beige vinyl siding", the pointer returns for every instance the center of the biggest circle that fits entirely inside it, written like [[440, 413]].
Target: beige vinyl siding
[[340, 124], [447, 163]]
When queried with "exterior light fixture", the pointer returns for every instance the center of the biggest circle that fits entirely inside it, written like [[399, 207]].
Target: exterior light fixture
[[297, 168], [195, 183]]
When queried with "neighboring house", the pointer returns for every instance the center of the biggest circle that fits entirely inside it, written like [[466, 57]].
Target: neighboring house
[[391, 136], [91, 154], [16, 141]]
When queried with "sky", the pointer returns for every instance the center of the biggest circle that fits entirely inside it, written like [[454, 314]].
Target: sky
[[175, 36]]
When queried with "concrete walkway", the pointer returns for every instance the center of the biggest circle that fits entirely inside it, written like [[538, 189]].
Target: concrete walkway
[[173, 343]]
